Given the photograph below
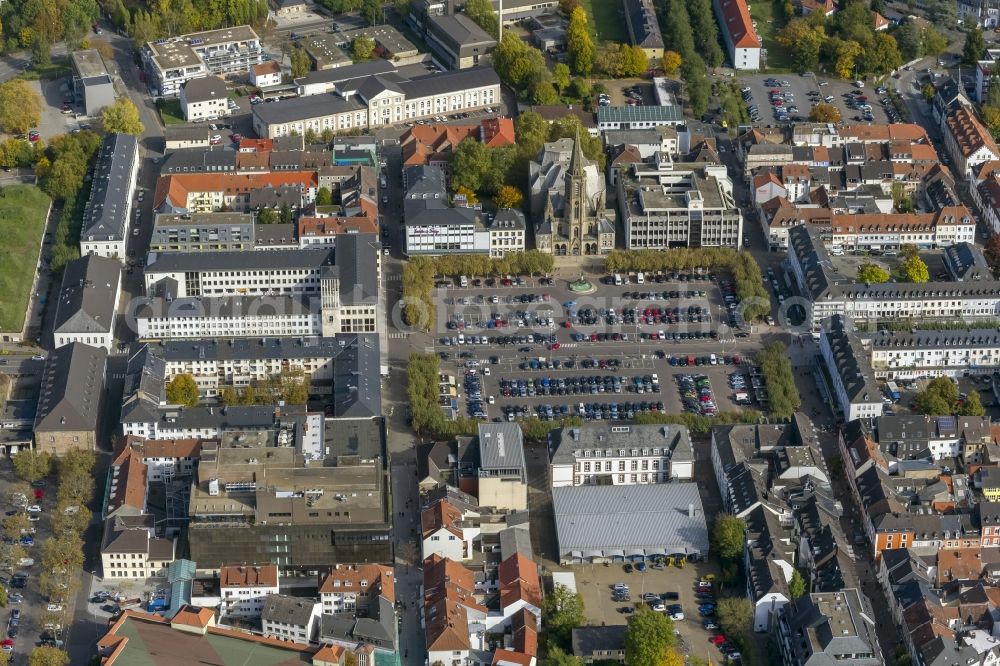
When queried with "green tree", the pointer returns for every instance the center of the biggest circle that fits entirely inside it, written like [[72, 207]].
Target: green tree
[[972, 406], [482, 14], [508, 197], [402, 7], [183, 390], [648, 637], [579, 44], [928, 92], [20, 107], [122, 117], [941, 12], [266, 216], [991, 118], [560, 76], [728, 536], [797, 585], [734, 616], [803, 43], [847, 55], [580, 88], [371, 11], [48, 656], [542, 93], [705, 31], [470, 161], [531, 131], [362, 48], [285, 214], [938, 398], [635, 60], [882, 56], [670, 62], [776, 369], [32, 465], [562, 613], [872, 274], [824, 113], [229, 396], [556, 655], [300, 62], [324, 197], [915, 270], [974, 48], [3, 597], [909, 37], [934, 43]]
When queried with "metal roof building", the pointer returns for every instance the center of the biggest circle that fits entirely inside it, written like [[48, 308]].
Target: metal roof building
[[632, 522], [638, 117]]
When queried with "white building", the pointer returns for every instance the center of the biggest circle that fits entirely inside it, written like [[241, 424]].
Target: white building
[[167, 459], [243, 589], [595, 454], [266, 74], [290, 618], [131, 550], [351, 588], [448, 532], [106, 215], [742, 43], [204, 98], [932, 353], [854, 387], [171, 62], [967, 141], [88, 302], [374, 101], [434, 227], [230, 316]]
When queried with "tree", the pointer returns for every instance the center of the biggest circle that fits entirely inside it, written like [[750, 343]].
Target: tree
[[562, 613], [909, 37], [469, 162], [824, 113], [938, 398], [803, 42], [123, 117], [634, 60], [991, 249], [542, 93], [915, 270], [3, 596], [32, 465], [470, 196], [670, 62], [579, 44], [300, 62], [928, 92], [797, 585], [941, 12], [882, 55], [362, 48], [648, 637], [285, 214], [509, 197], [481, 13], [229, 396], [934, 43], [728, 536], [974, 47], [183, 390], [672, 657], [872, 274], [267, 216], [371, 11], [324, 197], [991, 118], [734, 615], [531, 132], [705, 32], [567, 6], [48, 656], [560, 76], [20, 107], [557, 656], [848, 53], [972, 406]]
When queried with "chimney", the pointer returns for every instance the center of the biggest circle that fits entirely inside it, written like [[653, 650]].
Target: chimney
[[691, 511]]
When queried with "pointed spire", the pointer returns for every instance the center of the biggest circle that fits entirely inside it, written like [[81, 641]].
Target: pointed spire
[[576, 162]]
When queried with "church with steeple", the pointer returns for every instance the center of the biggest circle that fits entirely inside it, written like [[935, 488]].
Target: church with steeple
[[568, 202]]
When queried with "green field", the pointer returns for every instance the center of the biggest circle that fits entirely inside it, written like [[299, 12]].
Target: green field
[[170, 111], [608, 15], [763, 12], [22, 220]]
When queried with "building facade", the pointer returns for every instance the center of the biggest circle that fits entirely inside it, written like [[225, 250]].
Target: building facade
[[169, 63], [106, 215]]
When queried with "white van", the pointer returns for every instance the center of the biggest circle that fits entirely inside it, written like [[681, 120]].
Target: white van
[[640, 278], [837, 251], [463, 281], [713, 359], [618, 279]]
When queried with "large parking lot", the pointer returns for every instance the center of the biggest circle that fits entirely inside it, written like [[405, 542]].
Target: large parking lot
[[803, 92], [536, 349]]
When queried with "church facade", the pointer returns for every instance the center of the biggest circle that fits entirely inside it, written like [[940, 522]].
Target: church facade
[[568, 203]]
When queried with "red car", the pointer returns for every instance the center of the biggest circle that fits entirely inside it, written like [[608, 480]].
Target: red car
[[717, 639], [554, 346], [39, 494]]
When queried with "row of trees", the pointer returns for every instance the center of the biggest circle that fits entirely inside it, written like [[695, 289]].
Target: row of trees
[[940, 397], [36, 25], [776, 369], [747, 278], [621, 60], [291, 386], [680, 34], [162, 18], [696, 423], [370, 10]]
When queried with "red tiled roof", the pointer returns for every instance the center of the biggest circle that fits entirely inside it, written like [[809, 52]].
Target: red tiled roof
[[736, 20], [441, 515], [903, 131], [765, 177], [377, 577], [269, 67], [503, 657], [331, 226], [168, 448], [969, 133], [524, 625], [423, 144], [519, 581], [495, 132], [263, 575], [175, 188], [129, 487], [194, 617]]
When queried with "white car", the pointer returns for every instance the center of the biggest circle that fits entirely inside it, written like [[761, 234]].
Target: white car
[[216, 138], [54, 608], [25, 562], [34, 508], [677, 616]]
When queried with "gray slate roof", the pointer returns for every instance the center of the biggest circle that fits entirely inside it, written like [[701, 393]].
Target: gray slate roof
[[303, 108], [501, 446], [287, 610], [210, 262], [442, 83], [105, 216], [852, 363], [643, 516], [594, 436], [204, 88], [87, 296], [587, 640], [72, 386], [338, 74]]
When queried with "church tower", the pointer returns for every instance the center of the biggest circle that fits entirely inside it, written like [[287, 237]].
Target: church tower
[[576, 199]]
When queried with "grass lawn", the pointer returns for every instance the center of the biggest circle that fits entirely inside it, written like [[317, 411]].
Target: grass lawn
[[58, 68], [22, 220], [764, 12], [607, 14], [170, 111]]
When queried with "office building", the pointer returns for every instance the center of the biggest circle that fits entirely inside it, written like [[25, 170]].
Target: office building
[[290, 618], [597, 454], [170, 63], [202, 232], [88, 302], [93, 86], [71, 395], [109, 203], [204, 98], [827, 627], [854, 387], [458, 41]]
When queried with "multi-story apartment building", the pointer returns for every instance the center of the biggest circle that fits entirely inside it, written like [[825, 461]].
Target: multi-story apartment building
[[105, 217], [243, 589], [204, 98], [70, 399], [353, 588], [742, 42], [166, 459], [169, 63], [372, 101], [968, 141], [131, 550], [620, 455], [688, 206], [189, 193], [290, 618], [503, 477], [202, 232], [829, 627], [163, 318], [88, 302], [832, 293], [932, 353], [850, 372]]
